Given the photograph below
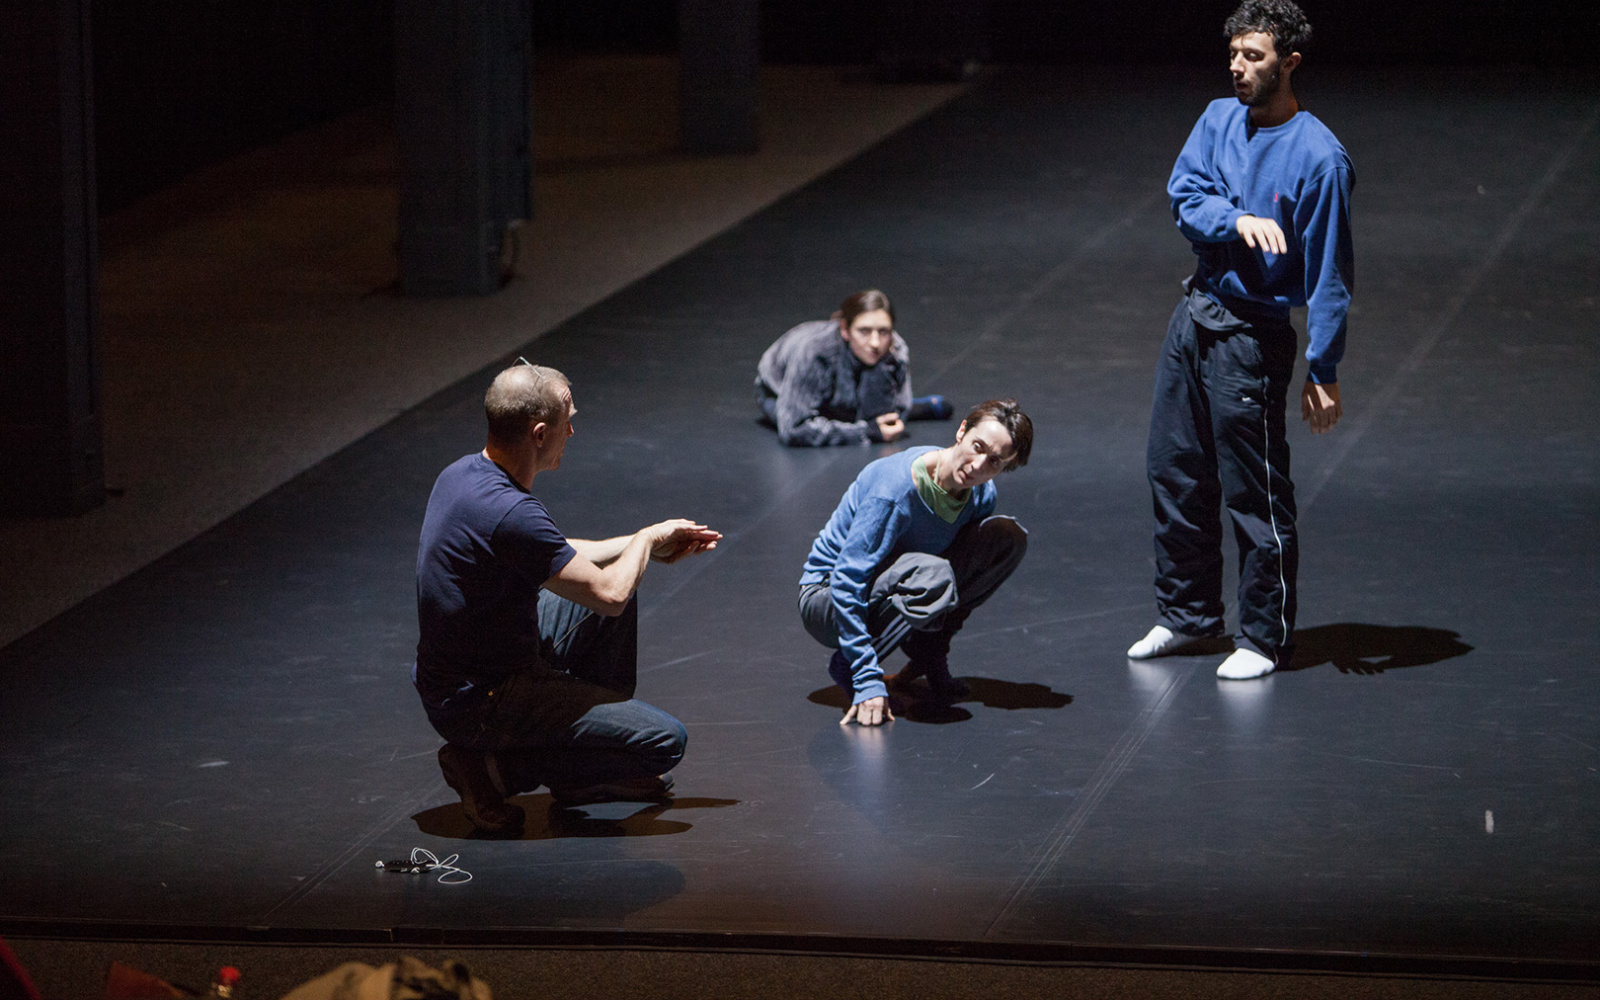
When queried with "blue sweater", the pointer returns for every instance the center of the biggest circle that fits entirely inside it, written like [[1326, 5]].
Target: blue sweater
[[880, 517], [1296, 174]]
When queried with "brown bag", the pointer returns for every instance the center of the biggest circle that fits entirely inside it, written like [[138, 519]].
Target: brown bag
[[408, 979]]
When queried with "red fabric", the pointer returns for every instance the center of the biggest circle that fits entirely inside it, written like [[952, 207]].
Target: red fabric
[[14, 981]]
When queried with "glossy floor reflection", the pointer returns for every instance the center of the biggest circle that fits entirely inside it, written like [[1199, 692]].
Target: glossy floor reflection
[[229, 739]]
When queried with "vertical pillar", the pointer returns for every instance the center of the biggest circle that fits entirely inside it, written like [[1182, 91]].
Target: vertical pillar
[[50, 434], [463, 80], [719, 43]]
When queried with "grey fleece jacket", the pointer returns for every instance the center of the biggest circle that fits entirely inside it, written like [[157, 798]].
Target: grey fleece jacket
[[819, 393]]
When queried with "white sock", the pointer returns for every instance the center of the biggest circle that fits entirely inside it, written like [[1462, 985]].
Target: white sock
[[1157, 641], [1245, 664]]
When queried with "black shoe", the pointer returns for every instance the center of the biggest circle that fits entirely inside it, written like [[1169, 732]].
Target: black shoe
[[646, 789], [940, 684], [490, 813], [943, 686]]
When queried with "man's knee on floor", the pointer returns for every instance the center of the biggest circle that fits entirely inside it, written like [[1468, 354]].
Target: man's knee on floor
[[663, 747]]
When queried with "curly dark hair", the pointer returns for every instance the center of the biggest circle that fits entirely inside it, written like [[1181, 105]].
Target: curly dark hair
[[1281, 19]]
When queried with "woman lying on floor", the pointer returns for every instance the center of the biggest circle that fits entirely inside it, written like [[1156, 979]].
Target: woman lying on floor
[[843, 380]]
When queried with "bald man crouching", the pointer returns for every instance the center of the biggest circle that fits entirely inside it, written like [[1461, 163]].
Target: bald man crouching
[[527, 657]]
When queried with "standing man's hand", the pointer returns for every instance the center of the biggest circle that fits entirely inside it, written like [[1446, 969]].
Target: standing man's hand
[[872, 712], [890, 426], [673, 540], [1319, 406], [1262, 234]]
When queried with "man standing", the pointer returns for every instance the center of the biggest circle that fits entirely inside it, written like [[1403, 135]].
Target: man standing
[[527, 657], [1262, 191]]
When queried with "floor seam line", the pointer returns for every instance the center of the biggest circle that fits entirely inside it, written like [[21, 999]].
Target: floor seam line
[[429, 789], [1474, 278], [1050, 279], [1099, 784], [971, 633], [706, 562]]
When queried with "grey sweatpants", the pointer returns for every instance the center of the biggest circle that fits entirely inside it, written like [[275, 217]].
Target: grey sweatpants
[[922, 600]]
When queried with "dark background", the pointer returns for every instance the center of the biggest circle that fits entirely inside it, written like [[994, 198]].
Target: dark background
[[183, 83]]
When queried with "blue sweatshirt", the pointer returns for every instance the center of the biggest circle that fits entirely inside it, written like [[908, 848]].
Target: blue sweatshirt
[[881, 517], [1296, 174]]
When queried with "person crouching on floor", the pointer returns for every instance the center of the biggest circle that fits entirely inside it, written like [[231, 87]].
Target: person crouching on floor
[[912, 548], [527, 655]]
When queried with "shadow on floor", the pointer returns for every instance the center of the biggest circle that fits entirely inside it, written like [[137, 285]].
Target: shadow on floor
[[548, 821], [915, 702], [1371, 649]]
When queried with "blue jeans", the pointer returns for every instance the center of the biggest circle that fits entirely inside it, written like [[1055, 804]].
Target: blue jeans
[[571, 720]]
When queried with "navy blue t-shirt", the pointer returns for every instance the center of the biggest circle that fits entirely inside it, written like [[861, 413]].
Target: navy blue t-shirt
[[487, 548]]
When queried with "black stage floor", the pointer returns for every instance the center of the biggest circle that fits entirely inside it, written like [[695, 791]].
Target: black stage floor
[[225, 743]]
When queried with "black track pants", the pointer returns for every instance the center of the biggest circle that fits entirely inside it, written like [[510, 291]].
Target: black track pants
[[1217, 440]]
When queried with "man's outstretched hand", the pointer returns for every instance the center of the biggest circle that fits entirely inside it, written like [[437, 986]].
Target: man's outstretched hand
[[1319, 406], [872, 712], [678, 538]]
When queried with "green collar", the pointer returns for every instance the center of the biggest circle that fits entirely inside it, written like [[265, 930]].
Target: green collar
[[947, 505]]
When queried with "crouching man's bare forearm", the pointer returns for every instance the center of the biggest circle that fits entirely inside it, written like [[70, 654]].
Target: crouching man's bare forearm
[[604, 574]]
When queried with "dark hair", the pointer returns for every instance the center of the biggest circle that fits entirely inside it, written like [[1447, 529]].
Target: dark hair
[[1009, 415], [870, 300], [521, 396], [1281, 19]]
